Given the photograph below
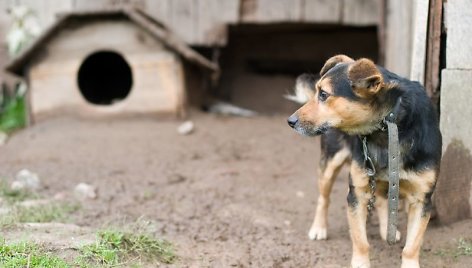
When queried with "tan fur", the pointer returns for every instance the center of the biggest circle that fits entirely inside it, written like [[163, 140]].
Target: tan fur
[[318, 230], [357, 217], [413, 187], [338, 112], [365, 78]]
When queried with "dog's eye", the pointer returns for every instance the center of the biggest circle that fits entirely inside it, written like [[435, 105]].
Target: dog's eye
[[322, 95]]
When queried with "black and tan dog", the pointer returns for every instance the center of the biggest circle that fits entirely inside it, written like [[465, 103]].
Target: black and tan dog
[[349, 101]]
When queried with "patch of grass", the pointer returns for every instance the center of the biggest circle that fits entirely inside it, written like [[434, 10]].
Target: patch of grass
[[13, 114], [13, 196], [27, 254], [463, 248], [43, 213], [118, 248]]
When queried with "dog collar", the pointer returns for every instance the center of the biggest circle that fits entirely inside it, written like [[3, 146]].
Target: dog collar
[[392, 116], [389, 124]]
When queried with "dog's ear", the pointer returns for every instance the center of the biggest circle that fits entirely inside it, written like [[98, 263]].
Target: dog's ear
[[331, 62], [366, 79]]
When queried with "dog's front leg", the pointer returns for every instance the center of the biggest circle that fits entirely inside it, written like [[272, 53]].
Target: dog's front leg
[[418, 196], [328, 173], [358, 197]]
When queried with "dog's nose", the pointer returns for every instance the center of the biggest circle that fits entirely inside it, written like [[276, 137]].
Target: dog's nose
[[292, 120]]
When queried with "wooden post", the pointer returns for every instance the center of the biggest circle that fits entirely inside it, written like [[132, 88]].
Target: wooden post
[[418, 57], [434, 50]]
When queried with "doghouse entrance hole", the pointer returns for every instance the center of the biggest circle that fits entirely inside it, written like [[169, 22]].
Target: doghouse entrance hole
[[105, 78]]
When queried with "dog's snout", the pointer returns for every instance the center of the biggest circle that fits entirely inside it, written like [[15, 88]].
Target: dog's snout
[[292, 120]]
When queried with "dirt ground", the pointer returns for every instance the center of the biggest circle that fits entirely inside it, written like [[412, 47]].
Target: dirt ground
[[238, 192]]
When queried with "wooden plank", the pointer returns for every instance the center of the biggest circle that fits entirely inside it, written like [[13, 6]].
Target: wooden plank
[[381, 31], [184, 19], [418, 56], [260, 11], [434, 49], [160, 10], [90, 4], [102, 4], [398, 36], [458, 21], [322, 11], [361, 12], [214, 15]]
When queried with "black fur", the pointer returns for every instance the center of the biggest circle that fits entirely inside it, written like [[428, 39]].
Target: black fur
[[351, 196], [416, 119]]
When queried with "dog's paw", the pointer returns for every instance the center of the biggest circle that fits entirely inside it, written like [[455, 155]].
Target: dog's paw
[[410, 263], [360, 262], [318, 233], [398, 236]]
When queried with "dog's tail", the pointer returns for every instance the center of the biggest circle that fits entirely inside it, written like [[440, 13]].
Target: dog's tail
[[303, 90]]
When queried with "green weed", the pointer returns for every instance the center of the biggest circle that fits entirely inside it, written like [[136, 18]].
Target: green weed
[[26, 254], [463, 248], [118, 248], [43, 213]]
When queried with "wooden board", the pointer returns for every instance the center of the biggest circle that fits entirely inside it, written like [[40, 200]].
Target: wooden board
[[398, 36], [433, 50], [271, 11], [212, 27], [184, 18], [361, 12], [420, 28], [322, 11], [160, 9]]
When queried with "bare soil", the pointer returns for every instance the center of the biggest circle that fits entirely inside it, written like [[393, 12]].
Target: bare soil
[[237, 192]]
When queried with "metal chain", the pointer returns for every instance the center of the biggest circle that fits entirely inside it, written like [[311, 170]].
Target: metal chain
[[371, 203], [370, 169]]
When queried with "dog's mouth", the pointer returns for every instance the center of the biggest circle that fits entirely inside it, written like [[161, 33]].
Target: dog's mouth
[[311, 131]]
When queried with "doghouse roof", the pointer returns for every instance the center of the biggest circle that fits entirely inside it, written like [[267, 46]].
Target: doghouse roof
[[146, 22]]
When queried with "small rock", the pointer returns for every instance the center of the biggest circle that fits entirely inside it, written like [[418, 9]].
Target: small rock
[[3, 138], [186, 128], [287, 222], [17, 185], [26, 179], [85, 191]]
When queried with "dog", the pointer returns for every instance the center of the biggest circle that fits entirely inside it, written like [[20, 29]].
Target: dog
[[352, 99]]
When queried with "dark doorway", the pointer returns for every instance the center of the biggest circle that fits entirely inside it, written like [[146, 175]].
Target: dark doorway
[[105, 78], [260, 63]]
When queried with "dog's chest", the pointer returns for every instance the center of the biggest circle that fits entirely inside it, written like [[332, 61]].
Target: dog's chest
[[379, 156]]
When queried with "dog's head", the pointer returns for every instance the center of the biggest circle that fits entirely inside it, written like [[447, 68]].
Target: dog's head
[[345, 98]]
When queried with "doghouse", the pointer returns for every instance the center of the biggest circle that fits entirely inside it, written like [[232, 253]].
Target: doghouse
[[110, 61]]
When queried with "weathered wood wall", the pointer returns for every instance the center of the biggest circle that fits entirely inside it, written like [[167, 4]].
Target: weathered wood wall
[[204, 22], [399, 36]]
